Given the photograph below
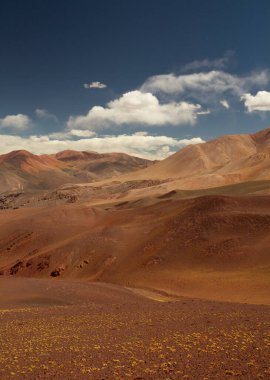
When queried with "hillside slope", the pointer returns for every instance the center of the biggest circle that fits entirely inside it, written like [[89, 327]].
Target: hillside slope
[[226, 160], [22, 170], [203, 246]]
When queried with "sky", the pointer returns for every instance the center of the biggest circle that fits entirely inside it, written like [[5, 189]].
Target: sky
[[142, 77]]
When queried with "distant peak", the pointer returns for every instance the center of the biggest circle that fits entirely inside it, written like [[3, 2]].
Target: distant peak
[[69, 155], [18, 153]]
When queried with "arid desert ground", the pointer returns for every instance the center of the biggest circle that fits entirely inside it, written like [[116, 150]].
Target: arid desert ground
[[82, 330], [114, 267]]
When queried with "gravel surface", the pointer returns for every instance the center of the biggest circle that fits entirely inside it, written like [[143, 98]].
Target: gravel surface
[[134, 337]]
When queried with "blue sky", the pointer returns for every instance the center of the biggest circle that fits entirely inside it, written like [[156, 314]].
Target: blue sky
[[143, 77]]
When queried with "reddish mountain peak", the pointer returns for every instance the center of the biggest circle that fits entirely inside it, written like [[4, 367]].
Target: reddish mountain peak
[[74, 155], [16, 154], [67, 153], [19, 153]]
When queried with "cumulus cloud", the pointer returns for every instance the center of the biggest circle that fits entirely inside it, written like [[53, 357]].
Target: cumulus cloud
[[98, 85], [42, 113], [18, 122], [204, 84], [147, 146], [224, 103], [217, 64], [136, 107], [258, 102], [70, 134]]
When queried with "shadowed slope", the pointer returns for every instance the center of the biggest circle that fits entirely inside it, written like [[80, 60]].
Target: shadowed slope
[[203, 246]]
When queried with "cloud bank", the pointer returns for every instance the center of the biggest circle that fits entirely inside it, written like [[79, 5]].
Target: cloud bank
[[138, 144], [204, 83], [136, 107], [162, 100]]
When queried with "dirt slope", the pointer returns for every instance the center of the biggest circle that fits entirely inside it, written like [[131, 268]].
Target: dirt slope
[[226, 160], [202, 246]]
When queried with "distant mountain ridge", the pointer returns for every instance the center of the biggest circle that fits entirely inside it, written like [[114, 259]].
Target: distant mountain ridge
[[22, 170], [226, 160]]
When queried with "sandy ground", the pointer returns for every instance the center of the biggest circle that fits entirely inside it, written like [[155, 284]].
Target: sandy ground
[[205, 247], [55, 329]]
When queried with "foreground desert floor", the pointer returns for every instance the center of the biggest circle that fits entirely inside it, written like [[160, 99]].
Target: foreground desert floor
[[78, 330]]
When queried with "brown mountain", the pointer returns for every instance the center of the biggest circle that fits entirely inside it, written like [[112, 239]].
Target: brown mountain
[[226, 160], [22, 170]]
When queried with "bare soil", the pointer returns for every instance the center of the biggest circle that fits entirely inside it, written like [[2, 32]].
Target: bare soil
[[53, 329]]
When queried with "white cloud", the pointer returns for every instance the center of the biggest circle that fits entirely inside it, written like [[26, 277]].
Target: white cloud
[[217, 64], [69, 134], [224, 103], [201, 85], [81, 133], [44, 114], [94, 85], [136, 107], [258, 102], [19, 122], [147, 146]]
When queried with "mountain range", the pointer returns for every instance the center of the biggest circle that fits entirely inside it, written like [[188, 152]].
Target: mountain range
[[226, 160], [196, 223], [22, 170]]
